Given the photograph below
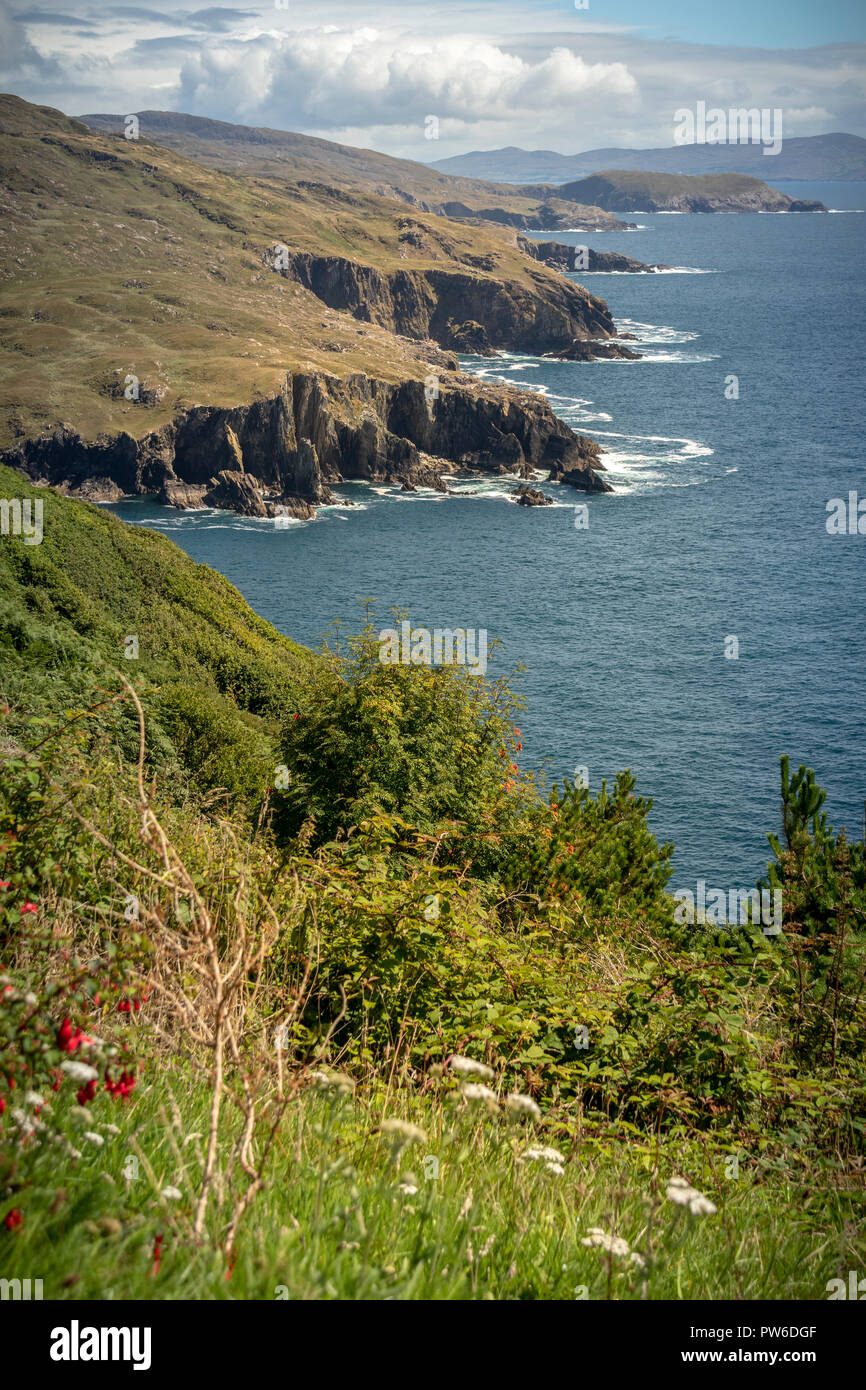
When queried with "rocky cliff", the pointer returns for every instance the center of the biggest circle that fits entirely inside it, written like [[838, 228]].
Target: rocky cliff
[[559, 256], [284, 453], [444, 305]]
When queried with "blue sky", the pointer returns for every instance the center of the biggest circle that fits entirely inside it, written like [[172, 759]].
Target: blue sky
[[749, 23], [535, 73]]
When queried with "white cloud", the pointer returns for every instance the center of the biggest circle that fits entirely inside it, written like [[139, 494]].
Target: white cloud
[[515, 72], [334, 79]]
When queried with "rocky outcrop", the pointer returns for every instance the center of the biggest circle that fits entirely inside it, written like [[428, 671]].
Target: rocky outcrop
[[561, 257], [526, 496], [590, 352], [285, 451], [576, 477], [552, 215], [452, 308]]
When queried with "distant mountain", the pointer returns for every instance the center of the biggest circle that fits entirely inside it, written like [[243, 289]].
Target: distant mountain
[[815, 157], [633, 190]]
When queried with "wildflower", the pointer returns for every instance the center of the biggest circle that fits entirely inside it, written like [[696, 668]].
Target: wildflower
[[86, 1093], [684, 1195], [2, 1105], [4, 883], [172, 1194], [411, 1134], [79, 1071], [33, 1098], [29, 907], [333, 1081], [522, 1105], [157, 1254], [466, 1207], [407, 1188], [111, 1129], [545, 1154], [614, 1245], [30, 999], [13, 1219], [23, 1122], [556, 1168], [473, 1091], [637, 1259], [467, 1067], [123, 1087], [93, 1138]]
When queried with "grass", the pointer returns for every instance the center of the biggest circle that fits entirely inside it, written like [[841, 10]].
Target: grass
[[338, 1220]]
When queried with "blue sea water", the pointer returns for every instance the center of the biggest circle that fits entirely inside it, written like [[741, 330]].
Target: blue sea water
[[716, 530]]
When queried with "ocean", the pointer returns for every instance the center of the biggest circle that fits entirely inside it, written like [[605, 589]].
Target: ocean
[[704, 621]]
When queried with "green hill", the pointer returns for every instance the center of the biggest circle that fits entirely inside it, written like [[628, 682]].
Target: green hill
[[630, 190]]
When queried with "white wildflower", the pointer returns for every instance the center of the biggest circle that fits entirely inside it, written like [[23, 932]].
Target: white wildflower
[[614, 1245], [31, 1000], [333, 1081], [79, 1071], [93, 1138], [637, 1259], [73, 1153], [171, 1194], [702, 1206], [467, 1067], [556, 1168], [522, 1105], [407, 1188], [474, 1091], [23, 1122], [684, 1195], [543, 1153], [33, 1098], [111, 1129], [402, 1129]]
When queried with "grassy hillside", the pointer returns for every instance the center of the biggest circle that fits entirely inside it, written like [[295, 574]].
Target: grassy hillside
[[217, 681], [126, 258], [285, 156], [314, 993]]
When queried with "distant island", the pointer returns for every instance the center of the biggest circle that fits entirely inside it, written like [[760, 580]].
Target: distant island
[[629, 190]]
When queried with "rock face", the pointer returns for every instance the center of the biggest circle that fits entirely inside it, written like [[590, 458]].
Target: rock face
[[463, 312], [281, 453], [561, 257]]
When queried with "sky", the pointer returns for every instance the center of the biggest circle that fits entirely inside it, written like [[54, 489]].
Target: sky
[[567, 75]]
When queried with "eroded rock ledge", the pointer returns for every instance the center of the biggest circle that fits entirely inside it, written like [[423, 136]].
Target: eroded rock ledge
[[463, 312], [284, 453]]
